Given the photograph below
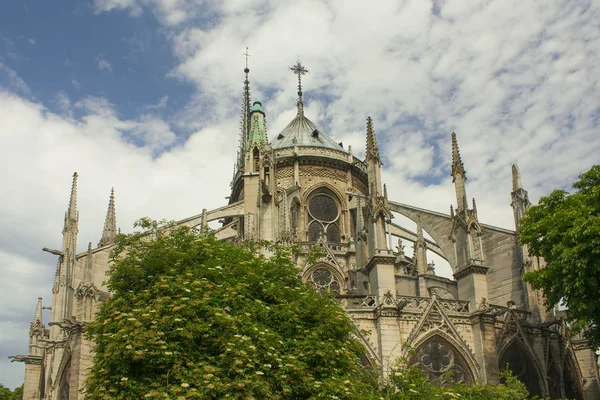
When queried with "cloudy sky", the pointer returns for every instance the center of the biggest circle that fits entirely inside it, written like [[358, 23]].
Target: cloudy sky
[[144, 96]]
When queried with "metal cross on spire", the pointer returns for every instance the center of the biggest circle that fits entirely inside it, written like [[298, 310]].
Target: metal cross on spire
[[299, 70]]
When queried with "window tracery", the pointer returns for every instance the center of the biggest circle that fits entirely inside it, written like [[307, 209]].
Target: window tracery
[[440, 361], [323, 216], [323, 280]]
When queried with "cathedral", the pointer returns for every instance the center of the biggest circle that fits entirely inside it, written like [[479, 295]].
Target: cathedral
[[302, 187]]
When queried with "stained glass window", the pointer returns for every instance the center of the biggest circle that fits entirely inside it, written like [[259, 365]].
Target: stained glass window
[[323, 214], [314, 231], [440, 361], [333, 233], [323, 208], [324, 280]]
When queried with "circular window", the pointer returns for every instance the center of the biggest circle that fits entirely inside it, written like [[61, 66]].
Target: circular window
[[323, 214], [324, 280], [323, 208]]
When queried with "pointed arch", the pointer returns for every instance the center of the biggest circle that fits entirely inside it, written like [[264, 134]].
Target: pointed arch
[[64, 383], [325, 213], [523, 364], [325, 276], [571, 377], [443, 359]]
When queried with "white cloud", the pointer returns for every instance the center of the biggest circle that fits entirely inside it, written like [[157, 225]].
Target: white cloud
[[103, 64], [75, 83]]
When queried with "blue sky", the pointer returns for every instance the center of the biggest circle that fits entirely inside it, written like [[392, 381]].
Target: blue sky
[[144, 96], [68, 47]]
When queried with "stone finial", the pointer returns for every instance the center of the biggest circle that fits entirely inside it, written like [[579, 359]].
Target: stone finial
[[516, 178], [87, 272], [109, 233]]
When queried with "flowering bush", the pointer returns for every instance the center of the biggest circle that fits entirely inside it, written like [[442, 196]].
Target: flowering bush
[[191, 317]]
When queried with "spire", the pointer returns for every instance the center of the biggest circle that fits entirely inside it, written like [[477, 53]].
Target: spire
[[474, 206], [37, 318], [516, 178], [459, 178], [110, 223], [299, 70], [457, 164], [372, 148], [71, 214], [245, 123], [36, 327]]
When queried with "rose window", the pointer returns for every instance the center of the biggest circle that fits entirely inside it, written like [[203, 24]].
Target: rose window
[[324, 280], [440, 361], [323, 215]]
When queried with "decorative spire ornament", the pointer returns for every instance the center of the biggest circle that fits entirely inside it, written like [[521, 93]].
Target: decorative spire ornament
[[457, 164], [372, 148], [516, 178], [71, 216], [299, 70]]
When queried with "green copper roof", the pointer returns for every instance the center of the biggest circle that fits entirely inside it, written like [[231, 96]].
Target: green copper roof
[[306, 133], [257, 106], [258, 129]]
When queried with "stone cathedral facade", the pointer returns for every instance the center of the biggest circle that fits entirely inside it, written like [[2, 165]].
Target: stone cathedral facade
[[302, 187]]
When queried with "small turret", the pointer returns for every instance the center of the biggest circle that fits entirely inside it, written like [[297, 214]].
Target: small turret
[[258, 128], [109, 233]]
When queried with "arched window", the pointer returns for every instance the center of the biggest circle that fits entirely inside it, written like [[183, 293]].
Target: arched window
[[65, 380], [324, 280], [323, 217], [522, 367], [441, 362]]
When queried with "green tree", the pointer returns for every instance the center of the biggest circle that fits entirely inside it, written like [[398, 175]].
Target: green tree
[[410, 383], [7, 394], [564, 229], [194, 317]]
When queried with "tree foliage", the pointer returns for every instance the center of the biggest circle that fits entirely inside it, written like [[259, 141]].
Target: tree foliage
[[7, 394], [410, 383], [194, 317], [564, 229]]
